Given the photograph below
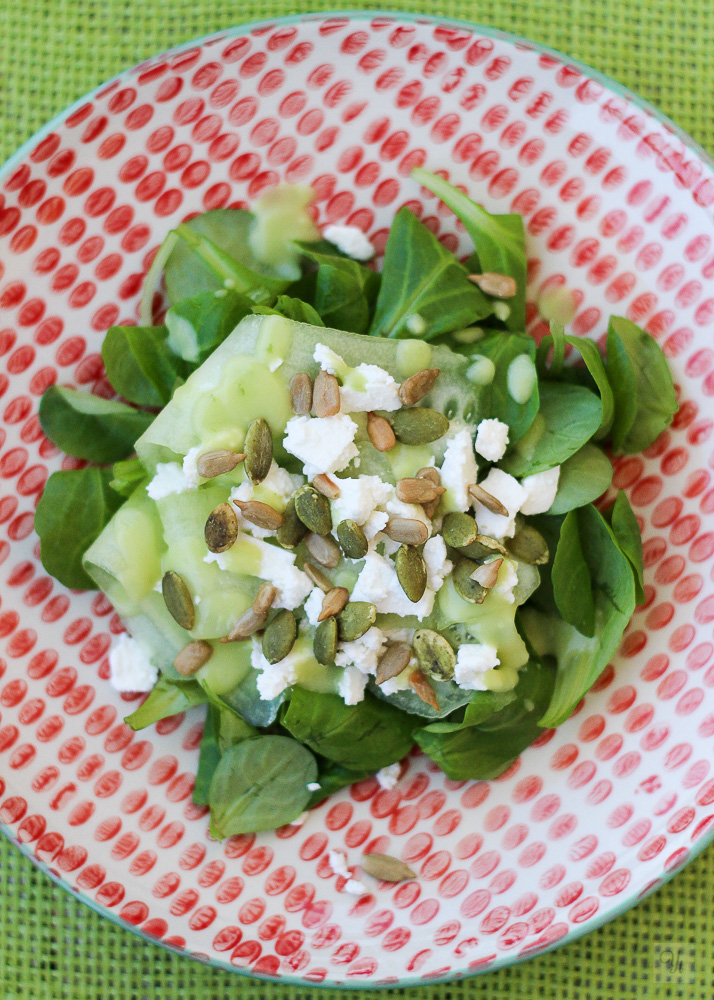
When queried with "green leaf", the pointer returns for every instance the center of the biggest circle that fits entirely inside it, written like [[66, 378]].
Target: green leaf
[[420, 277], [140, 365], [583, 478], [246, 701], [197, 325], [645, 400], [482, 705], [572, 589], [73, 510], [369, 735], [554, 341], [595, 365], [292, 308], [126, 476], [448, 694], [231, 729], [495, 400], [569, 415], [86, 426], [332, 777], [627, 534], [499, 239], [208, 758], [168, 697], [345, 291], [260, 784]]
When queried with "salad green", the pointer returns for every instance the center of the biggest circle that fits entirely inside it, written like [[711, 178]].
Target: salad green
[[348, 511]]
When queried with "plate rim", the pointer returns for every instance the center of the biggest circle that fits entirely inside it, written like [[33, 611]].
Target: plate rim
[[597, 922]]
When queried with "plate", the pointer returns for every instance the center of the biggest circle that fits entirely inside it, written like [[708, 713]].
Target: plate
[[618, 207]]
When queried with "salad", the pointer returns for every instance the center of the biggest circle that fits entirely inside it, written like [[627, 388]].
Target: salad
[[352, 511]]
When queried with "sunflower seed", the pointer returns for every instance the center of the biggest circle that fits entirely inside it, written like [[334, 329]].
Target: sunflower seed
[[464, 583], [419, 683], [501, 286], [411, 572], [250, 621], [433, 476], [487, 574], [260, 514], [391, 663], [435, 655], [386, 868], [313, 510], [418, 425], [263, 600], [417, 386], [328, 487], [221, 529], [333, 602], [418, 490], [352, 539], [356, 619], [216, 463], [528, 546], [326, 395], [459, 529], [177, 599], [482, 547], [407, 530], [258, 451], [380, 432], [301, 393], [279, 637], [488, 501], [323, 549], [317, 576], [192, 657], [292, 531], [324, 643]]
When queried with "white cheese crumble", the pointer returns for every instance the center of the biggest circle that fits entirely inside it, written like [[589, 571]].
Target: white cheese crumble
[[541, 489], [313, 786], [313, 606], [277, 566], [511, 494], [507, 580], [351, 685], [492, 439], [362, 653], [438, 566], [388, 777], [323, 444], [375, 523], [378, 584], [190, 468], [366, 387], [300, 820], [459, 469], [473, 660], [349, 240], [169, 480], [355, 887], [358, 499], [130, 667], [279, 482], [273, 678], [338, 863]]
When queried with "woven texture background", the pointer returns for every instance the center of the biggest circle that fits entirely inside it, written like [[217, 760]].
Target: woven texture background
[[53, 51]]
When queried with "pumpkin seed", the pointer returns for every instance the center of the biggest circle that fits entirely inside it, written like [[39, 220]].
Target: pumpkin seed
[[411, 572], [459, 530], [250, 622], [488, 501], [418, 490], [386, 868], [464, 583], [487, 574], [419, 683], [317, 576], [380, 432], [352, 539], [436, 657], [482, 547], [178, 600], [263, 600], [292, 530], [328, 487], [260, 513], [528, 546], [418, 425], [407, 530], [324, 643], [333, 602], [326, 395], [391, 663], [323, 549], [221, 529], [279, 637], [216, 463], [356, 619], [417, 386], [301, 393], [313, 510], [500, 286], [192, 657], [258, 451]]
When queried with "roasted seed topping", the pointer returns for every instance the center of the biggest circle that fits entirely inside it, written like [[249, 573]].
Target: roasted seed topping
[[313, 509], [301, 393], [333, 602], [487, 574], [324, 643], [418, 490], [459, 529], [221, 528], [500, 286], [418, 425], [326, 395], [419, 683], [216, 463], [352, 539], [386, 868], [465, 585], [192, 657], [487, 500], [435, 655], [411, 572], [417, 386], [279, 637], [260, 514], [323, 549], [380, 432], [292, 531], [178, 600], [263, 600], [406, 530], [250, 622], [356, 619], [328, 487], [395, 659], [258, 451], [317, 576], [528, 546]]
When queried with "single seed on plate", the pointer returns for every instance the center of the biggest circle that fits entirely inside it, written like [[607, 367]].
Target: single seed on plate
[[216, 463], [417, 386], [323, 549], [333, 602], [482, 547], [407, 530], [250, 622], [258, 451], [433, 476], [356, 619], [324, 643], [411, 572], [528, 546], [192, 657], [263, 600], [221, 529], [279, 637], [418, 425], [391, 663], [313, 509], [326, 395], [419, 683], [435, 655], [487, 500], [352, 539], [260, 514], [459, 529], [292, 531], [501, 286], [386, 868], [317, 576], [328, 487], [464, 583], [380, 432], [418, 490], [301, 393], [487, 574], [178, 600]]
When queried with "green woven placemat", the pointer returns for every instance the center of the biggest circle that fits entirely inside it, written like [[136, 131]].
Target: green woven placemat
[[53, 51]]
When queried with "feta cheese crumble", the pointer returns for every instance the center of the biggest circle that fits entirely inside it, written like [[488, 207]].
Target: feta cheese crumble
[[351, 685], [378, 584], [313, 786], [511, 494], [190, 468], [338, 863], [313, 606], [507, 580], [359, 498], [388, 777], [277, 566], [366, 387], [129, 666], [169, 480], [322, 444], [459, 469], [473, 660], [492, 440], [362, 653], [438, 566], [541, 489], [273, 678], [349, 240]]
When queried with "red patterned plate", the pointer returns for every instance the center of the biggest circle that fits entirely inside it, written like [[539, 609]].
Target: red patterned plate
[[617, 205]]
